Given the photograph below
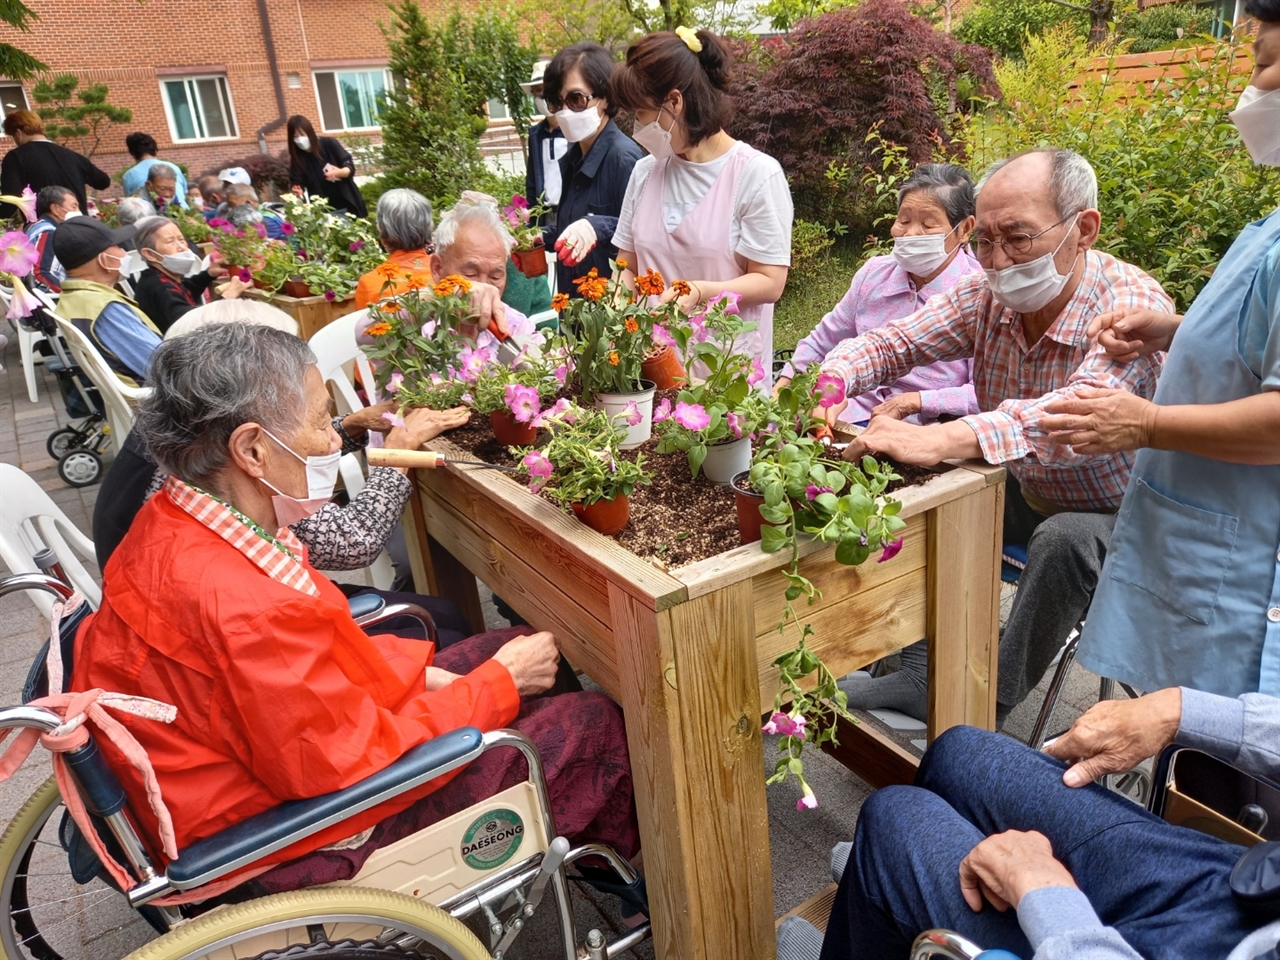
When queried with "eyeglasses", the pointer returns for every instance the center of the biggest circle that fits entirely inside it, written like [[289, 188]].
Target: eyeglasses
[[1016, 243], [576, 101]]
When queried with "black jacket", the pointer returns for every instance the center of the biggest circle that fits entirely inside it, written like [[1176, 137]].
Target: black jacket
[[342, 194], [164, 299], [593, 187], [43, 163], [535, 177]]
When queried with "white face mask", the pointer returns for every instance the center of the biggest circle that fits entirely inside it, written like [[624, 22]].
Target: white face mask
[[578, 126], [1257, 117], [540, 106], [131, 264], [322, 477], [653, 138], [183, 264], [71, 215], [1027, 287], [922, 255], [303, 142]]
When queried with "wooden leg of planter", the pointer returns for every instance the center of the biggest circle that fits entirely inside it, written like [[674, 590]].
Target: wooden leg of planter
[[691, 693], [964, 609], [436, 571]]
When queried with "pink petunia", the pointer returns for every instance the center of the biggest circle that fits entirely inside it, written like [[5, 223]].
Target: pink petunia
[[288, 229], [261, 230], [522, 401], [830, 390], [393, 384], [735, 423], [756, 376], [17, 254], [356, 246], [561, 374], [691, 416], [539, 468], [244, 276], [808, 801], [662, 337], [632, 413], [813, 491], [771, 725], [473, 361], [781, 723], [466, 399], [330, 296], [731, 301], [556, 411], [663, 410], [798, 723], [890, 550], [429, 329], [698, 324], [519, 201], [394, 419], [23, 303]]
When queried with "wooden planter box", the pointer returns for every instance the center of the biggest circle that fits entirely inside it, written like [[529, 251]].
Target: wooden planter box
[[689, 653], [311, 313]]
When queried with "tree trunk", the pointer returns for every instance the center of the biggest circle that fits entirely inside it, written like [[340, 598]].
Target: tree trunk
[[1101, 13]]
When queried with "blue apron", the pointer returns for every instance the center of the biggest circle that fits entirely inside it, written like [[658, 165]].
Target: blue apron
[[1190, 593]]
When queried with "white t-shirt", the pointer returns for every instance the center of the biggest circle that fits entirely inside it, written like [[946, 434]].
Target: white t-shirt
[[553, 148], [762, 211]]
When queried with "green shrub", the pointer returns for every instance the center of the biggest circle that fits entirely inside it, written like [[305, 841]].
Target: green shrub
[[813, 290], [1162, 27], [1175, 183], [1004, 25]]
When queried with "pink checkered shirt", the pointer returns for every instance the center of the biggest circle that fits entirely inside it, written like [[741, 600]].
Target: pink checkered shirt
[[282, 565], [1014, 380]]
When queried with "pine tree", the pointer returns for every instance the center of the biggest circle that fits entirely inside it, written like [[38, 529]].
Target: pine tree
[[14, 63], [87, 120]]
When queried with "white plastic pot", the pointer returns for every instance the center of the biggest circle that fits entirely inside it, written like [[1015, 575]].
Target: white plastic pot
[[726, 458], [615, 404]]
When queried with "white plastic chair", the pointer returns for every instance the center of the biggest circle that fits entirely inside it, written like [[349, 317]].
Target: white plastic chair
[[31, 521], [118, 398], [27, 340], [339, 356]]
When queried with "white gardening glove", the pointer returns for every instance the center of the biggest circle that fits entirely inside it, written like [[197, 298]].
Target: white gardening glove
[[576, 241]]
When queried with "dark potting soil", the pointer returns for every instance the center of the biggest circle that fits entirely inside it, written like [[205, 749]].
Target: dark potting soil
[[676, 520]]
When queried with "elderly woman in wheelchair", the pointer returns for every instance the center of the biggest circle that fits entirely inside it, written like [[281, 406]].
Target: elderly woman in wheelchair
[[1020, 852], [304, 752]]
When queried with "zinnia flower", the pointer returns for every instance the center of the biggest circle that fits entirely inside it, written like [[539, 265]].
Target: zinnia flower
[[559, 302], [735, 423], [756, 376], [17, 254], [830, 390], [522, 401], [23, 303], [890, 550], [681, 287], [393, 384], [620, 263], [691, 416], [662, 337], [631, 325], [808, 801], [388, 270], [662, 411], [650, 284], [632, 413], [379, 329], [614, 359]]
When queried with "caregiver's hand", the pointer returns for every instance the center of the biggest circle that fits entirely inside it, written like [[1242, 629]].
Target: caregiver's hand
[[1098, 420], [575, 242], [1128, 334]]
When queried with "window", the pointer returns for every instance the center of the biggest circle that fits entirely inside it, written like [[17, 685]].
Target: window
[[1225, 13], [498, 109], [12, 98], [351, 99], [199, 108]]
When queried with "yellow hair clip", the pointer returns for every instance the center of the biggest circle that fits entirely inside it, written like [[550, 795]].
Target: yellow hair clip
[[690, 38]]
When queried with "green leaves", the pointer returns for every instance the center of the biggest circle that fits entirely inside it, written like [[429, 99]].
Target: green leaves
[[773, 539]]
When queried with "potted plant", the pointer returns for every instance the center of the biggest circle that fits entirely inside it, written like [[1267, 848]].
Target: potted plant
[[248, 254], [195, 228], [333, 251], [661, 365], [513, 394], [529, 254], [581, 467], [712, 420]]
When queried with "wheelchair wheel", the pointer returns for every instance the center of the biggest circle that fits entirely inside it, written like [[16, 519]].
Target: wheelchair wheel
[[336, 923], [80, 468], [46, 913]]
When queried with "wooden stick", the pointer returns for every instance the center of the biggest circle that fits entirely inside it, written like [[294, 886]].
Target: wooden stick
[[385, 457]]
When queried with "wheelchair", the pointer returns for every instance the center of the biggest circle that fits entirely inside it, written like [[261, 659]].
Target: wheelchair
[[489, 867]]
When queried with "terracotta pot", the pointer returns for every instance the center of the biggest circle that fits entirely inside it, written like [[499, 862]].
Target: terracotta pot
[[509, 431], [296, 287], [605, 516], [748, 503], [532, 263], [664, 369]]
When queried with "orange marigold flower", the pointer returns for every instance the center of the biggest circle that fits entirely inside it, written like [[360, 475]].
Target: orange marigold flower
[[621, 262], [388, 270], [593, 289], [452, 284], [559, 302], [650, 284], [682, 288], [413, 281], [631, 325], [614, 359], [379, 329]]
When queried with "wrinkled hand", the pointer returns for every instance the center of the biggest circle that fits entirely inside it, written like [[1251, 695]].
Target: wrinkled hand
[[531, 661], [1113, 736], [216, 267], [905, 442], [1100, 420], [422, 424], [575, 242], [233, 289], [899, 407], [1007, 866], [1129, 334], [487, 309]]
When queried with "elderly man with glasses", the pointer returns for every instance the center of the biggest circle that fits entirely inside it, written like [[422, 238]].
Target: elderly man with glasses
[[1024, 322]]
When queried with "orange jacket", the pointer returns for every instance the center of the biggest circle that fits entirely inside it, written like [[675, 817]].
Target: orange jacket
[[279, 695], [374, 286]]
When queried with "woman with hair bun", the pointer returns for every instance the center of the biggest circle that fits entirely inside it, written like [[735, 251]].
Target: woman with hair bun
[[702, 207]]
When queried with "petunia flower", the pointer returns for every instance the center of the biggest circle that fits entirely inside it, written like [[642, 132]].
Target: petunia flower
[[244, 276], [429, 329], [522, 401], [561, 374], [662, 411], [539, 468], [288, 229], [698, 324], [798, 722], [23, 303], [473, 361], [735, 423], [330, 296], [17, 254], [781, 723], [632, 413], [519, 201], [756, 376], [394, 419], [393, 384], [26, 202], [691, 416], [466, 399], [731, 301], [808, 801], [890, 550], [554, 412], [662, 337], [355, 246], [813, 491], [830, 390]]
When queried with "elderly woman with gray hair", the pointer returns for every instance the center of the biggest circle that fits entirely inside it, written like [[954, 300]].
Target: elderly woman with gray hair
[[174, 280], [211, 604], [935, 218], [405, 222]]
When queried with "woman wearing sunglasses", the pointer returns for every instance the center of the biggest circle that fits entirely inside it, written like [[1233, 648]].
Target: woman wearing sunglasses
[[597, 167], [703, 207]]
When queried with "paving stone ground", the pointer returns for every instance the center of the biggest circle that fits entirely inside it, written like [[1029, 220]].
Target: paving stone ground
[[800, 842]]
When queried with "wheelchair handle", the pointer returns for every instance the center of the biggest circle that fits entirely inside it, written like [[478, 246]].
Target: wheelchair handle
[[102, 792], [35, 581]]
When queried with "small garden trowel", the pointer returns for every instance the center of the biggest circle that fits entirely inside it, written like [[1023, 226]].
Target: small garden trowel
[[385, 457]]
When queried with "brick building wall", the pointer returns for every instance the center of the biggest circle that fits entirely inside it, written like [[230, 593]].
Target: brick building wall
[[133, 47]]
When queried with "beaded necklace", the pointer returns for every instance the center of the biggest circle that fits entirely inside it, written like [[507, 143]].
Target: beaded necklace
[[255, 527]]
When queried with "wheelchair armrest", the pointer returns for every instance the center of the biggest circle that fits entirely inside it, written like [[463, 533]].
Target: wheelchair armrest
[[274, 829], [394, 611], [365, 605]]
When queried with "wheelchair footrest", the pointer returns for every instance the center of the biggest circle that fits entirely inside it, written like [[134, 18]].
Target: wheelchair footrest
[[633, 894]]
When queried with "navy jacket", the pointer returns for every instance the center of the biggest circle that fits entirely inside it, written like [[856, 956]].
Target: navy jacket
[[535, 178], [594, 186]]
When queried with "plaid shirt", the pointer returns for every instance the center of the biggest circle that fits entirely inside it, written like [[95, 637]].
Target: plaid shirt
[[1014, 380], [285, 566]]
